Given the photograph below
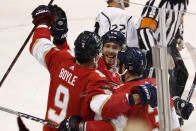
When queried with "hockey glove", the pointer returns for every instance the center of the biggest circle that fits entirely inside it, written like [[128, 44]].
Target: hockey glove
[[59, 28], [183, 108], [148, 95], [70, 124], [21, 125], [42, 13]]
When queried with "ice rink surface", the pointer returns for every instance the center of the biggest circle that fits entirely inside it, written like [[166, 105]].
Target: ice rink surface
[[26, 87]]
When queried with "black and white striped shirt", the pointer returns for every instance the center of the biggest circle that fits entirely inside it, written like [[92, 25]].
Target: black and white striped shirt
[[149, 30]]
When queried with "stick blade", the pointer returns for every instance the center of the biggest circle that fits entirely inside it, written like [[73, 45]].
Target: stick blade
[[192, 52], [194, 82]]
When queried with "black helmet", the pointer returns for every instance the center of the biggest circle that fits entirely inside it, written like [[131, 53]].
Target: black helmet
[[115, 37], [133, 59], [87, 45]]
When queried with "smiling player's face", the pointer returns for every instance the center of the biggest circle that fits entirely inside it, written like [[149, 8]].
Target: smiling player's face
[[110, 51]]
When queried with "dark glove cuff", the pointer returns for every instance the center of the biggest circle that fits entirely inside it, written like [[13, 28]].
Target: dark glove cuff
[[59, 42]]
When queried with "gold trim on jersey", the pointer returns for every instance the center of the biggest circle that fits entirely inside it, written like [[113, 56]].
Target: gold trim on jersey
[[113, 125], [101, 107], [45, 53], [31, 51]]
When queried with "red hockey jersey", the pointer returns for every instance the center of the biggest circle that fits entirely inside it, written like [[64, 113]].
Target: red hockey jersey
[[112, 77], [147, 113], [68, 81]]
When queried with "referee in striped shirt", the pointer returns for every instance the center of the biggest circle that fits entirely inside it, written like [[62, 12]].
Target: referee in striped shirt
[[149, 36], [149, 28]]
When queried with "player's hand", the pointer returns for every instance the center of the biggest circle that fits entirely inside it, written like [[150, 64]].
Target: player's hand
[[70, 124], [148, 95], [42, 14], [183, 108], [59, 28], [21, 125]]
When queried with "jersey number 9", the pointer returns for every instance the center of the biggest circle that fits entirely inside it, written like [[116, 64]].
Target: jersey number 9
[[62, 104]]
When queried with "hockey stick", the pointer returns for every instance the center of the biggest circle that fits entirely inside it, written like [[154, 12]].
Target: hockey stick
[[20, 51], [192, 52], [28, 117], [192, 89], [151, 72]]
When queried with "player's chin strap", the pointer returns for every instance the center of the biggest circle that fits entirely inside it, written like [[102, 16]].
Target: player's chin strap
[[122, 74], [113, 68], [122, 78], [95, 62]]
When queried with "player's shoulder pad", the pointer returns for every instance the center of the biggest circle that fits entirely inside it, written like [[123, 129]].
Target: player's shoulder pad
[[97, 74], [65, 53]]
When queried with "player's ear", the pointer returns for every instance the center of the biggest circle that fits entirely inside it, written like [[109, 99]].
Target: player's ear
[[123, 68]]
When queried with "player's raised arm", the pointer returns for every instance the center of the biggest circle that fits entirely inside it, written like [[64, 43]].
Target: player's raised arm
[[41, 42], [41, 47]]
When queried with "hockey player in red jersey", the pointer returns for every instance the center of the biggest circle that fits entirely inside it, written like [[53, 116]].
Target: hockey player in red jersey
[[69, 75], [113, 42], [133, 62], [72, 79]]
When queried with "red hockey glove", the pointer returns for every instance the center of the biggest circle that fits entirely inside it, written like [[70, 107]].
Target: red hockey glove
[[42, 13]]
